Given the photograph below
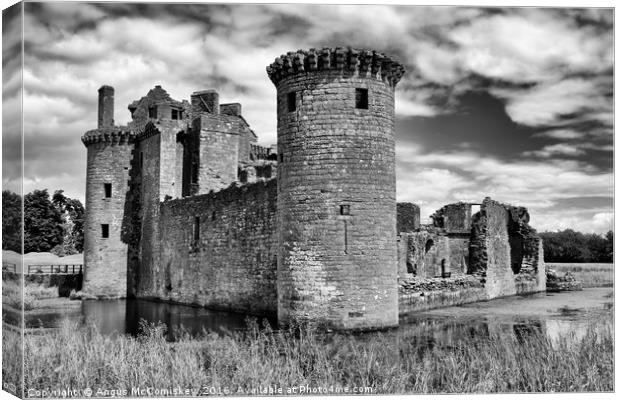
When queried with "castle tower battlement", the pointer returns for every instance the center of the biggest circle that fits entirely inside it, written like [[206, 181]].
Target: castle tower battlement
[[351, 61], [337, 256]]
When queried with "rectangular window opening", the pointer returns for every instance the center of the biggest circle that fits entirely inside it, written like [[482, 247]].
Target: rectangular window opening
[[107, 188], [196, 230], [153, 112], [345, 209], [141, 159], [105, 231], [291, 101], [361, 98], [281, 157], [175, 114]]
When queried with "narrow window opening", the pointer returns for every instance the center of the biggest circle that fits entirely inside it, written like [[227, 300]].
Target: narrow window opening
[[141, 159], [196, 230], [107, 188], [291, 101], [105, 231], [361, 98], [153, 112], [194, 172], [213, 216], [281, 157], [346, 238], [175, 114]]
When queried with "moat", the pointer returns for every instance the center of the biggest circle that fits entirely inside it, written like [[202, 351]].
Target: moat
[[551, 313]]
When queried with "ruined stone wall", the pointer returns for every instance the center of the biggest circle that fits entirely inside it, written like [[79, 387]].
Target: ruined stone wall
[[499, 277], [422, 254], [105, 259], [230, 264], [459, 253], [334, 159], [407, 217], [219, 151], [425, 294], [454, 218]]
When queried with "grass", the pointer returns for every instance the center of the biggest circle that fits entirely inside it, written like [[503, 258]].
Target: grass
[[589, 274], [11, 359], [388, 362], [12, 294]]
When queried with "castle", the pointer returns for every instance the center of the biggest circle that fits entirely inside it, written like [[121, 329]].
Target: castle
[[183, 205]]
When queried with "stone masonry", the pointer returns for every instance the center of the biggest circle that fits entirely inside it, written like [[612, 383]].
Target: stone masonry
[[183, 205]]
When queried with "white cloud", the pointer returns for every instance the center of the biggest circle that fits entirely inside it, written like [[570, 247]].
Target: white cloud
[[545, 103], [560, 134]]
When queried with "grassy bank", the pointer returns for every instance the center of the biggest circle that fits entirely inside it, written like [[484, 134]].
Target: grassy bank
[[589, 274], [12, 294], [388, 363]]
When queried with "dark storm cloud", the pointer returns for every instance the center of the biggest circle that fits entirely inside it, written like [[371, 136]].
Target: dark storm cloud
[[515, 103]]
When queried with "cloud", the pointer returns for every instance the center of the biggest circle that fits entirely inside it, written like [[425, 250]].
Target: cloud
[[556, 149], [433, 179], [551, 70], [546, 103], [559, 134]]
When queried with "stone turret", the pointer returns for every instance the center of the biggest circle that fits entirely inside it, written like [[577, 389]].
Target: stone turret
[[109, 151], [337, 261], [106, 107]]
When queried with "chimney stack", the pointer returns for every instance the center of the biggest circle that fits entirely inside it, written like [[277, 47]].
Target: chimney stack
[[106, 107], [206, 100]]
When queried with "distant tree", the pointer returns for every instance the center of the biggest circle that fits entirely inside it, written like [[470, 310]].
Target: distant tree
[[11, 221], [571, 246], [43, 222], [609, 248], [72, 212]]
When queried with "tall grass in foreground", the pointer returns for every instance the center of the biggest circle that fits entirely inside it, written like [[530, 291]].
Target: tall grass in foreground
[[589, 274], [388, 362]]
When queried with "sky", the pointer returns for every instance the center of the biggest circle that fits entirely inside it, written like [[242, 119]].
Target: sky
[[511, 103]]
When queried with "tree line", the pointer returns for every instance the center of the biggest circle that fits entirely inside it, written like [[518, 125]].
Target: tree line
[[56, 224], [51, 223], [575, 247]]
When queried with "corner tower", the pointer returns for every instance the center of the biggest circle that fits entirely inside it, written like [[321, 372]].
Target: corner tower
[[109, 151], [337, 260]]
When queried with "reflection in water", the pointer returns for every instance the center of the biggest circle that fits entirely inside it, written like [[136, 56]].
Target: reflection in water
[[424, 331], [124, 316]]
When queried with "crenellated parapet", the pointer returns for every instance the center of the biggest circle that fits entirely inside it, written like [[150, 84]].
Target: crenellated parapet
[[116, 135], [367, 63]]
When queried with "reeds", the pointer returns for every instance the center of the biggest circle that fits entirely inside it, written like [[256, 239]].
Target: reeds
[[387, 362]]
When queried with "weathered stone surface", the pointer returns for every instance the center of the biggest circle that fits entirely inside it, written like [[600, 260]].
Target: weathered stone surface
[[334, 159], [407, 217], [231, 264], [107, 161]]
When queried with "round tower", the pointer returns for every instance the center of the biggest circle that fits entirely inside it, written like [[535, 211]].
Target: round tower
[[337, 260], [109, 152]]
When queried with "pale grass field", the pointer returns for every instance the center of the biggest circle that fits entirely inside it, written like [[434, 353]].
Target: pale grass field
[[590, 274]]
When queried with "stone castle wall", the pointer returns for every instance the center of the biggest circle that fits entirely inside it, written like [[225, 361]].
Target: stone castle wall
[[219, 250]]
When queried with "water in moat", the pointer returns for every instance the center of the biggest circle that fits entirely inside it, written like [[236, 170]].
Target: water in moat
[[550, 313]]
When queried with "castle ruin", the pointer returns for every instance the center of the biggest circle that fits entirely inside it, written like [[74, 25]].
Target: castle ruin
[[183, 205]]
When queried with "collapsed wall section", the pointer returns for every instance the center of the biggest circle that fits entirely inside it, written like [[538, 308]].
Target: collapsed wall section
[[219, 250]]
